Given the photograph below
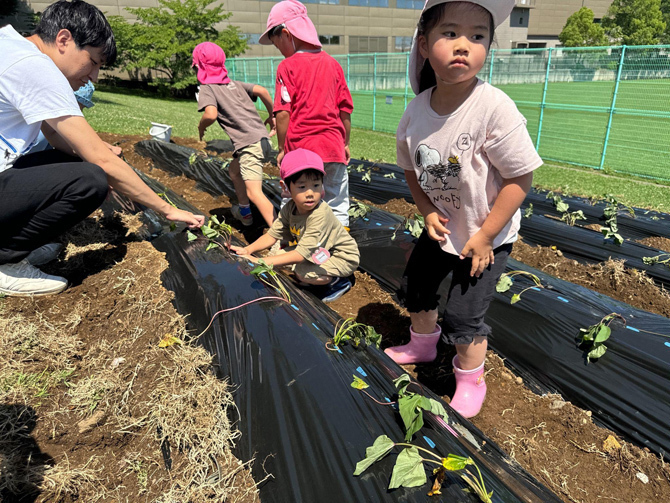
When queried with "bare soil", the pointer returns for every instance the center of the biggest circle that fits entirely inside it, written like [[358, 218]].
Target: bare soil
[[555, 441], [656, 242]]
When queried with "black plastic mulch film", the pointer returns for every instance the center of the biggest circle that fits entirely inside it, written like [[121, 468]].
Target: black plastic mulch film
[[299, 417], [628, 390]]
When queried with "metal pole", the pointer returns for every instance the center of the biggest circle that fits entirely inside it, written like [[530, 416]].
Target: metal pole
[[609, 121], [374, 95], [244, 68], [406, 78], [544, 100], [348, 66], [493, 57]]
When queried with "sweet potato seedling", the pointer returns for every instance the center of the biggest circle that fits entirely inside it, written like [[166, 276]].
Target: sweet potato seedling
[[358, 209], [663, 258], [212, 230], [592, 339], [265, 273], [506, 281], [352, 331], [409, 470]]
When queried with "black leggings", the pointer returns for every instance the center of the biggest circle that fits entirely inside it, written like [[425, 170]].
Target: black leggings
[[43, 195], [468, 298]]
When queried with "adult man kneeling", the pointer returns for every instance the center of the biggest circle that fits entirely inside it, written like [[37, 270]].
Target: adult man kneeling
[[45, 193]]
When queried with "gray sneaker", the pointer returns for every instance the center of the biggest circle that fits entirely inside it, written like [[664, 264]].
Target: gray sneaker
[[246, 220], [44, 254], [23, 280]]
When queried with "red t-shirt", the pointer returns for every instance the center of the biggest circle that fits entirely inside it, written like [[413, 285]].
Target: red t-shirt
[[311, 87]]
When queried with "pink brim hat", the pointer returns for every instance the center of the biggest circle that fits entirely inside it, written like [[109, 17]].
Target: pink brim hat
[[499, 9], [293, 15], [299, 160], [210, 60]]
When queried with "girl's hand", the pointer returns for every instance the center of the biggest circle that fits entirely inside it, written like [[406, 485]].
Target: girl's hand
[[480, 247], [436, 226]]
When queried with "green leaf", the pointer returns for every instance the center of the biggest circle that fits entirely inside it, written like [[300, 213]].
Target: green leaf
[[210, 246], [455, 463], [515, 298], [191, 236], [371, 336], [603, 334], [438, 409], [209, 232], [408, 470], [374, 453], [411, 414], [173, 226], [597, 352], [401, 383], [359, 383], [504, 283], [562, 207]]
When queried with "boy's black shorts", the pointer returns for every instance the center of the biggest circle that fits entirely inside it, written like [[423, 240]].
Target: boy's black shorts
[[468, 298]]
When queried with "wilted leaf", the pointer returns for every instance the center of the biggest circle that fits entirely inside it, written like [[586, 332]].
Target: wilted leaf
[[374, 453], [401, 383], [562, 207], [597, 352], [515, 298], [440, 475], [169, 340], [410, 411], [504, 283], [191, 236], [408, 470], [211, 246], [359, 383], [455, 463], [438, 409]]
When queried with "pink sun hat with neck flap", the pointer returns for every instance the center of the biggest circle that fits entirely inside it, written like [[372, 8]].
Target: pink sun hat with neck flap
[[293, 15], [210, 60], [499, 10]]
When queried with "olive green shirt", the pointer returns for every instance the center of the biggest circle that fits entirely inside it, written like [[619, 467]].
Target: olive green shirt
[[318, 228]]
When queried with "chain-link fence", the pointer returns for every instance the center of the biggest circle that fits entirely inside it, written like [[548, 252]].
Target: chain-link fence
[[601, 107]]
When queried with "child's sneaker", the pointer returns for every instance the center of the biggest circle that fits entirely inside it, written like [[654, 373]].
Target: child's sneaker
[[246, 220], [336, 288]]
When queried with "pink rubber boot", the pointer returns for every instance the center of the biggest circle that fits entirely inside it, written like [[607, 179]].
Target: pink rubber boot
[[470, 390], [422, 348]]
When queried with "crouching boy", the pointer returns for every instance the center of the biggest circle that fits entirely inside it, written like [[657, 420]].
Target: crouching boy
[[320, 249]]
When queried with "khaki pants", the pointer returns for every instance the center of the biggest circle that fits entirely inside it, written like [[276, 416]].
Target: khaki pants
[[252, 158]]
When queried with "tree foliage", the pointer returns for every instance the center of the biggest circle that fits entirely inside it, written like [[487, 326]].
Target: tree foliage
[[635, 22], [163, 38], [581, 31]]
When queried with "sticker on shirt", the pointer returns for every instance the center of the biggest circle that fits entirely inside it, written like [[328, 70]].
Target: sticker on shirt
[[320, 256], [285, 96], [439, 180]]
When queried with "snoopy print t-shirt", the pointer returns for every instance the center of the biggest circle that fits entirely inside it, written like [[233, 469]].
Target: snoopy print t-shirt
[[461, 159]]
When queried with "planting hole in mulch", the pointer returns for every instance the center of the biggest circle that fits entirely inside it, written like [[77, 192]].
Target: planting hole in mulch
[[555, 441]]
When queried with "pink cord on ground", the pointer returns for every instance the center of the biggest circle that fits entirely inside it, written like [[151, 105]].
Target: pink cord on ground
[[238, 307]]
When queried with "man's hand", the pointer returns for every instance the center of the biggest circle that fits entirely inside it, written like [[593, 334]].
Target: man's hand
[[116, 150], [270, 121], [280, 156], [177, 215], [201, 132], [480, 247], [436, 226], [347, 154]]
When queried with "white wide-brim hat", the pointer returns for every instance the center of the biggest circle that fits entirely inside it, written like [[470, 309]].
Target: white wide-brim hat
[[499, 9]]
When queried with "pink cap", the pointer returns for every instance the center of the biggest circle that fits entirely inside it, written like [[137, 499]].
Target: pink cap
[[293, 15], [210, 60], [299, 160]]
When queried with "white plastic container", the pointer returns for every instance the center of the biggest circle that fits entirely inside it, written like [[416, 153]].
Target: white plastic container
[[161, 132]]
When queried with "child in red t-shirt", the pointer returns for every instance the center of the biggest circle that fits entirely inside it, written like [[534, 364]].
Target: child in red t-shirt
[[313, 104]]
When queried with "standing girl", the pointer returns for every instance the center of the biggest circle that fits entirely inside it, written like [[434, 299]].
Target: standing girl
[[469, 162]]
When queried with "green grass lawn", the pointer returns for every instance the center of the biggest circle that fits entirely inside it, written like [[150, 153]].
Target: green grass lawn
[[133, 113]]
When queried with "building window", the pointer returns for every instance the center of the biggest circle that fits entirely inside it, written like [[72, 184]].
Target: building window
[[518, 18], [370, 3], [410, 4], [252, 38], [361, 45], [329, 39], [329, 2], [403, 44]]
